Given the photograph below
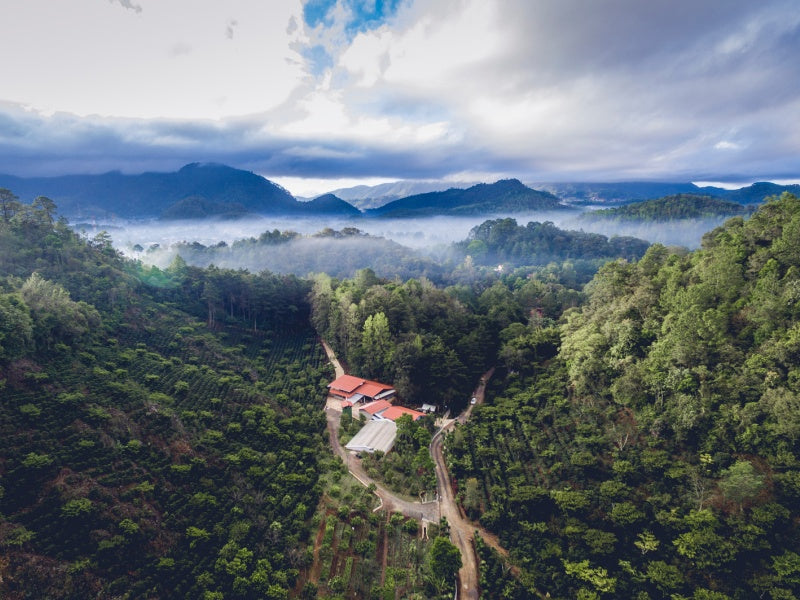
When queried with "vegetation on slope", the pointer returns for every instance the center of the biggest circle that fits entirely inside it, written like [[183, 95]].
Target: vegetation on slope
[[646, 447], [352, 541], [503, 241], [669, 208], [160, 429], [505, 196], [337, 253]]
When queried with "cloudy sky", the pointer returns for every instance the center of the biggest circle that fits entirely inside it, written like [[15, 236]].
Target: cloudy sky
[[319, 93]]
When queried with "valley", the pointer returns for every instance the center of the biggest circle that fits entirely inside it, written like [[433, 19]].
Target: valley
[[632, 431]]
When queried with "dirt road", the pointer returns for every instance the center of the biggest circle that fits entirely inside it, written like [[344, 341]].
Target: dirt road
[[337, 367], [461, 529], [389, 501]]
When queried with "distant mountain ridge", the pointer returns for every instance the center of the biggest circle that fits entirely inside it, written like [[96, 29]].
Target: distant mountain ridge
[[218, 191], [582, 193], [365, 197], [506, 195], [195, 191]]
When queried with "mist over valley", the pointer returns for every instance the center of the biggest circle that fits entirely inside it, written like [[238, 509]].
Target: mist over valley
[[426, 239]]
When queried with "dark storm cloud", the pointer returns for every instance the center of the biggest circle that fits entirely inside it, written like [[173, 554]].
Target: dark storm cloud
[[62, 143]]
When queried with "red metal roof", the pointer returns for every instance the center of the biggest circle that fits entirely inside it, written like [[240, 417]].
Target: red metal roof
[[395, 412], [376, 407], [347, 386], [370, 389], [347, 383]]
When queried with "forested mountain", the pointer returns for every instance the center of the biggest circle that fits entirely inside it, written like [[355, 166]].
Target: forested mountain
[[151, 194], [503, 241], [618, 193], [372, 196], [669, 208], [329, 204], [508, 195], [160, 431], [637, 191], [197, 207], [338, 253], [647, 446], [758, 191]]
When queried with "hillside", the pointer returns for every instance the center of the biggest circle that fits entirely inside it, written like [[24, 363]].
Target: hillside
[[150, 194], [758, 191], [669, 208], [373, 196], [646, 447], [197, 207], [504, 241], [159, 430], [337, 253], [329, 204], [505, 196], [636, 191]]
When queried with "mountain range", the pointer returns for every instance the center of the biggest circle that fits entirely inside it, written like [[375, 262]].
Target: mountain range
[[193, 191], [219, 191], [366, 197], [506, 195], [582, 193]]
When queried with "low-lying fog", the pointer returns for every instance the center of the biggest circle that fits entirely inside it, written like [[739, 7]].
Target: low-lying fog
[[420, 233]]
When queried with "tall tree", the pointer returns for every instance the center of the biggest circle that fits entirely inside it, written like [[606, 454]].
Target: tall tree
[[9, 204], [377, 346]]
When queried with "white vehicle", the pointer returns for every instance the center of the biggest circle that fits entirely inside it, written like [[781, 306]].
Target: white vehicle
[[474, 400]]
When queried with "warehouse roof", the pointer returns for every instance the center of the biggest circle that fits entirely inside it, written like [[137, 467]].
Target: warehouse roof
[[374, 436]]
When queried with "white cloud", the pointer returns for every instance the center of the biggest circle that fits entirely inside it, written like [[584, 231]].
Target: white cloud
[[170, 59], [536, 89], [310, 187]]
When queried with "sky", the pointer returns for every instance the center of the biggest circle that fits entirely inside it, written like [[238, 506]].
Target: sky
[[320, 94]]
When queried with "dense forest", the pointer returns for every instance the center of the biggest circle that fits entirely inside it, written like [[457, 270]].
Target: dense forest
[[339, 253], [504, 241], [162, 432], [434, 343], [669, 208], [646, 447]]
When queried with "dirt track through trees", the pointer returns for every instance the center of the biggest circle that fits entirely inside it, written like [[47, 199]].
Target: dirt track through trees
[[462, 530]]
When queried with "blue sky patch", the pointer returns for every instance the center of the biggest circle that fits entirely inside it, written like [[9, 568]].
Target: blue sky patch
[[367, 14], [318, 59]]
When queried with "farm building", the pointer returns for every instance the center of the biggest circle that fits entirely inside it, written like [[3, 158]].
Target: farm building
[[381, 409], [372, 409], [395, 412], [356, 390], [374, 436]]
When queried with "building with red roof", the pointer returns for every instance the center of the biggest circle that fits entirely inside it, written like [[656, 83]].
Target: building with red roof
[[395, 412], [355, 389], [381, 409], [373, 410]]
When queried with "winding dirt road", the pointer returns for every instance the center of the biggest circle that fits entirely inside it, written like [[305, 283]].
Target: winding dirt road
[[461, 529]]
